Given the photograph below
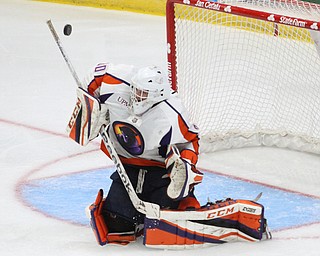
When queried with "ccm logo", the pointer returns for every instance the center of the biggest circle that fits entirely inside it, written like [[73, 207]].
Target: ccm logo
[[75, 113], [220, 213]]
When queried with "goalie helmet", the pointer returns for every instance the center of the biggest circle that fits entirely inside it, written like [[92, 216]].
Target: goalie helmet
[[148, 86]]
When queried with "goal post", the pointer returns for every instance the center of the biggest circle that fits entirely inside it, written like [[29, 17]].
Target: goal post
[[248, 71]]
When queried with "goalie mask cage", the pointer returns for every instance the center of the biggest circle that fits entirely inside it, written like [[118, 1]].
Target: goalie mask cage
[[248, 71]]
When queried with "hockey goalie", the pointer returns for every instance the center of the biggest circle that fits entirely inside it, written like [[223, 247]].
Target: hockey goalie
[[158, 148]]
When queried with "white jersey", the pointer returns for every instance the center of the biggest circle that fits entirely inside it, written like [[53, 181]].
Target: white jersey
[[142, 140]]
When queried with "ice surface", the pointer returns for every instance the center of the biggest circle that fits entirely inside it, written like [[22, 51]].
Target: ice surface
[[37, 97]]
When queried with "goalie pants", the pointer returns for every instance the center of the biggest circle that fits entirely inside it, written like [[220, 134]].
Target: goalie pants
[[150, 184]]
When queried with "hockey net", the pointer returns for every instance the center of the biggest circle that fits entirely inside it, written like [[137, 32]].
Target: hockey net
[[248, 71]]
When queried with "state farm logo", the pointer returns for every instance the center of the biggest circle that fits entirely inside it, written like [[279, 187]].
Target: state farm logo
[[292, 22], [221, 212]]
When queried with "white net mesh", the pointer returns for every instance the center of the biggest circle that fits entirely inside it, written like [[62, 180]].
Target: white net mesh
[[247, 81]]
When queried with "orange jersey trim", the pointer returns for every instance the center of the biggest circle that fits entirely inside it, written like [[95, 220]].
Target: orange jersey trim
[[191, 137], [189, 154], [108, 79], [95, 84], [134, 161], [97, 81]]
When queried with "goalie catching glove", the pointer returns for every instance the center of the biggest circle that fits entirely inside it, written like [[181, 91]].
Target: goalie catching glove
[[183, 174], [87, 118]]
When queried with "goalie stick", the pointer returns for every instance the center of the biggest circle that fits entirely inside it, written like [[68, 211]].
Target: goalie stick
[[256, 199], [65, 57], [150, 209]]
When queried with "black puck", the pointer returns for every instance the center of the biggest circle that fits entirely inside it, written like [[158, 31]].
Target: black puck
[[67, 30]]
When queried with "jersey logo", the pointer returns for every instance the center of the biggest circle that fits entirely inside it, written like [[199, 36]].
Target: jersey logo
[[129, 138]]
